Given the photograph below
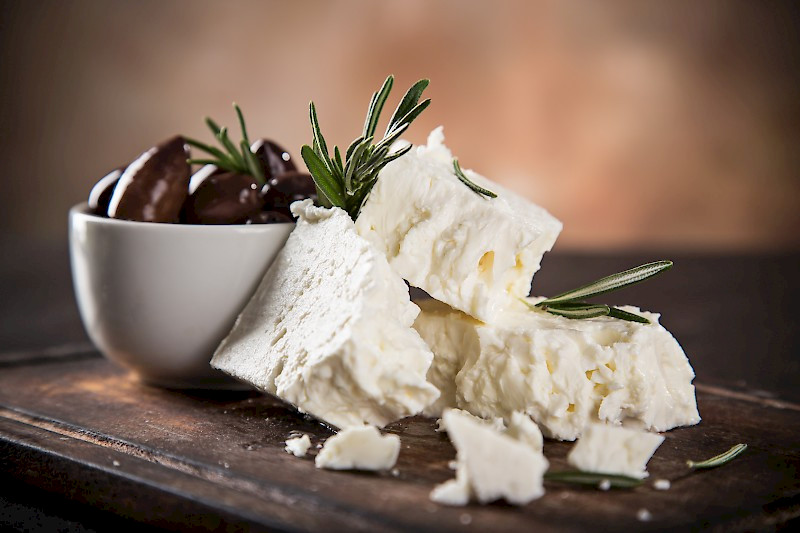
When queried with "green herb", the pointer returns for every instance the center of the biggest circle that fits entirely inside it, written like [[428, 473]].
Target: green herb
[[718, 460], [347, 183], [466, 181], [593, 478], [239, 159], [570, 304]]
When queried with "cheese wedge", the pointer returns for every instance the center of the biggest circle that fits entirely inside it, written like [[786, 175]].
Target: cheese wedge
[[329, 329], [475, 253], [562, 373]]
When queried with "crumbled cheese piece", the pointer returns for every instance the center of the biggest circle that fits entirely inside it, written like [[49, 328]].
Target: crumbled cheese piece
[[298, 446], [475, 253], [523, 429], [614, 450], [562, 373], [643, 515], [359, 448], [604, 485], [662, 484], [495, 423], [329, 328], [490, 465]]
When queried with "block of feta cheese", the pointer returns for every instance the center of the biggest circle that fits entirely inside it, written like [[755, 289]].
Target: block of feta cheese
[[489, 465], [329, 328], [563, 373], [298, 446], [359, 448], [470, 251], [614, 450]]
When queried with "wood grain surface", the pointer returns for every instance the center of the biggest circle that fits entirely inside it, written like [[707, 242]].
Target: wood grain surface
[[84, 444], [88, 429]]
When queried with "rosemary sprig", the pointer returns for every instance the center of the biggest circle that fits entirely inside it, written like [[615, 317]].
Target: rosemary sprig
[[570, 304], [580, 477], [347, 183], [469, 183], [718, 460], [239, 159]]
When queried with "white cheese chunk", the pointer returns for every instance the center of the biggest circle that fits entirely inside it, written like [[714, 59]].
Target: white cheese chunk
[[489, 465], [662, 484], [496, 423], [614, 450], [359, 448], [525, 430], [473, 252], [563, 373], [298, 446], [329, 329]]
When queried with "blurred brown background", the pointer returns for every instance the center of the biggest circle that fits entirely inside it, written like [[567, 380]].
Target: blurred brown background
[[640, 124]]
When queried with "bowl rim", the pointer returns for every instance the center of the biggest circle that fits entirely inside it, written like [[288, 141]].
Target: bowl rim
[[82, 210]]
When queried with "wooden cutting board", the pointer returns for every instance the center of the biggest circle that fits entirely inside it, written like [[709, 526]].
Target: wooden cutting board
[[76, 425]]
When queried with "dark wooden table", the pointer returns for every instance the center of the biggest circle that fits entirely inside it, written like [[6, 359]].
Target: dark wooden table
[[83, 446]]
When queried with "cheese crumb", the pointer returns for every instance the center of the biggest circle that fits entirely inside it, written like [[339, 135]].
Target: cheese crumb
[[604, 485], [614, 450], [661, 484], [643, 515], [298, 446], [359, 448], [489, 465]]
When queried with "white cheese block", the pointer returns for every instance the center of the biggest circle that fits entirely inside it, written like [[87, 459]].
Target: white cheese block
[[472, 252], [298, 446], [614, 450], [329, 329], [489, 465], [563, 373], [359, 448]]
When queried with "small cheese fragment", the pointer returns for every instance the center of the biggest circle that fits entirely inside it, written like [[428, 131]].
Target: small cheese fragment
[[473, 252], [525, 430], [496, 423], [298, 446], [563, 373], [359, 448], [662, 484], [489, 465], [614, 450], [329, 328]]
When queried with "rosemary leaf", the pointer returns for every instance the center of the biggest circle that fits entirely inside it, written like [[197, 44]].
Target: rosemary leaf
[[466, 181], [253, 164], [616, 312], [337, 161], [414, 112], [593, 478], [213, 126], [610, 283], [216, 152], [408, 102], [376, 107], [718, 460], [322, 177], [579, 310], [320, 146], [241, 124], [223, 138]]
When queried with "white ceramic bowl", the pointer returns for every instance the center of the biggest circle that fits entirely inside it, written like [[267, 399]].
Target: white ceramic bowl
[[159, 298]]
